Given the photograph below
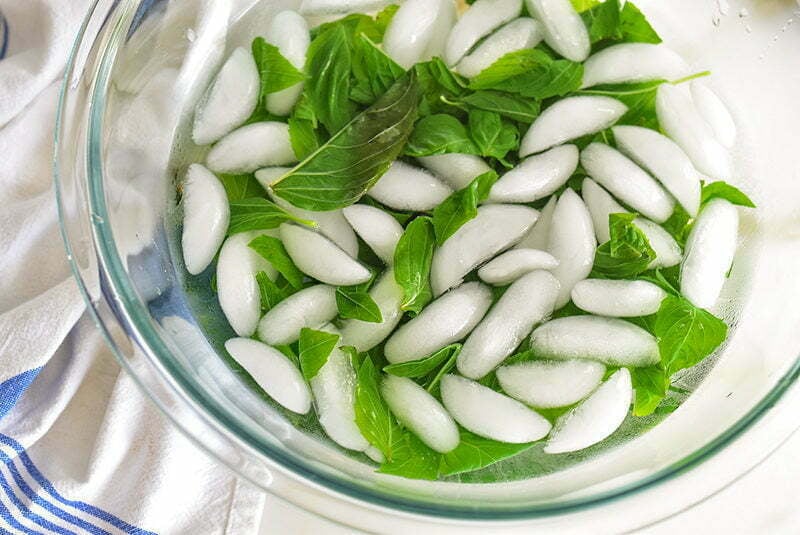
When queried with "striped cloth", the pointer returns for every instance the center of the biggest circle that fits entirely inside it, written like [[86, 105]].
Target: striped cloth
[[81, 448]]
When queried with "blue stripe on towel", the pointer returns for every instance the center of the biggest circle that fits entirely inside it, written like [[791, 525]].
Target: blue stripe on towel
[[81, 506], [12, 389], [6, 515], [41, 502], [26, 511]]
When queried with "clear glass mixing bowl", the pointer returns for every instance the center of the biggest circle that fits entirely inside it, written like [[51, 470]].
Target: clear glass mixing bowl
[[137, 70]]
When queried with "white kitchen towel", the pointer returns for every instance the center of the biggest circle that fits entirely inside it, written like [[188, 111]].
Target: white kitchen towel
[[81, 448]]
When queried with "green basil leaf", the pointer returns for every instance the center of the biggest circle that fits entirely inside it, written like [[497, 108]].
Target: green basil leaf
[[432, 383], [640, 98], [626, 254], [382, 20], [634, 26], [272, 292], [440, 134], [328, 62], [609, 23], [411, 458], [650, 385], [354, 302], [603, 21], [304, 137], [493, 136], [519, 358], [240, 187], [276, 72], [258, 213], [461, 206], [315, 348], [439, 86], [509, 66], [686, 334], [290, 354], [412, 264], [553, 80], [422, 367], [373, 417], [723, 190], [274, 252], [474, 453], [666, 278], [354, 24], [373, 71], [678, 225], [531, 73], [511, 106], [582, 5], [347, 165]]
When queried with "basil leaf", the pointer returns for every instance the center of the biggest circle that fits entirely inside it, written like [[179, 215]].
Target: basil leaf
[[347, 165], [626, 254], [509, 66], [354, 24], [634, 26], [474, 453], [650, 385], [411, 458], [412, 264], [328, 62], [432, 384], [723, 190], [315, 348], [666, 278], [603, 21], [678, 225], [354, 302], [514, 107], [439, 85], [274, 252], [610, 23], [519, 358], [276, 72], [422, 367], [461, 206], [440, 134], [373, 71], [582, 5], [240, 187], [272, 292], [303, 136], [290, 354], [373, 417], [383, 19], [493, 136], [640, 98], [686, 334], [259, 214], [531, 73], [553, 80]]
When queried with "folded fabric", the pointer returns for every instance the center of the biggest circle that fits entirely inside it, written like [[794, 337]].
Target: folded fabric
[[82, 450]]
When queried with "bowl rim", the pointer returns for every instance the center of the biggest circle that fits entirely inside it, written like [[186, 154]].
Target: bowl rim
[[133, 317]]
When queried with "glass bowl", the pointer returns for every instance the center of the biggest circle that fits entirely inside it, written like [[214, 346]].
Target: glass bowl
[[136, 72]]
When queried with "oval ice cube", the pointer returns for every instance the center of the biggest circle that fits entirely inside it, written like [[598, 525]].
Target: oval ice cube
[[311, 307], [536, 177], [618, 298], [251, 147], [206, 214], [420, 412], [547, 384], [595, 418], [611, 341], [513, 264], [446, 320], [572, 243], [320, 258], [489, 414]]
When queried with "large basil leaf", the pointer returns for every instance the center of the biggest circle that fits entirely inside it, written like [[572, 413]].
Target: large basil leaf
[[315, 348], [373, 71], [347, 165], [474, 452], [723, 190], [511, 106], [493, 136], [461, 206], [258, 213], [626, 254]]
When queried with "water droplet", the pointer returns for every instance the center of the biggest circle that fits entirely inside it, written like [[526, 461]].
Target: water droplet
[[191, 35]]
